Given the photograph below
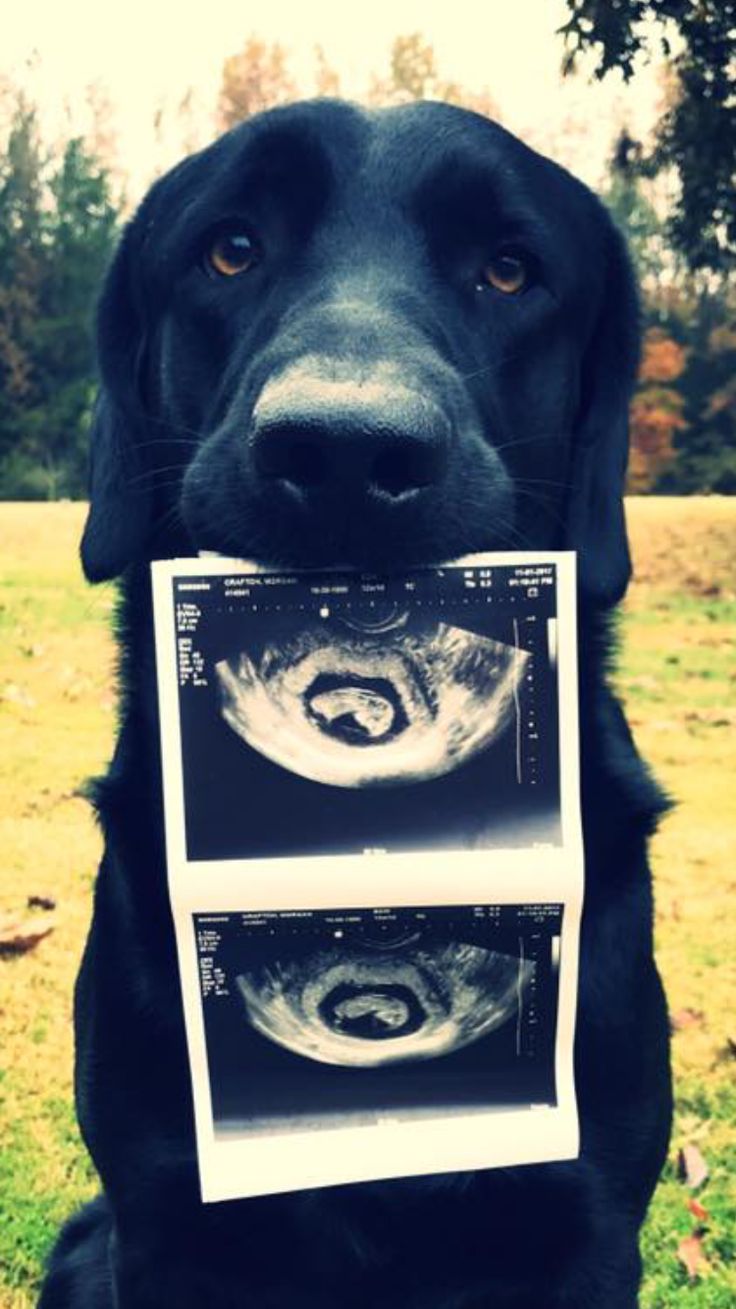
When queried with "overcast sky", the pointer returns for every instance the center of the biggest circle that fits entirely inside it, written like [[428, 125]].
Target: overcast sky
[[148, 53]]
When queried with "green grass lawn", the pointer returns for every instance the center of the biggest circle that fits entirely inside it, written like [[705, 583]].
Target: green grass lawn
[[676, 673]]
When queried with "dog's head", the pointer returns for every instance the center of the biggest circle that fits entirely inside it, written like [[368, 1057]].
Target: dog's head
[[365, 338]]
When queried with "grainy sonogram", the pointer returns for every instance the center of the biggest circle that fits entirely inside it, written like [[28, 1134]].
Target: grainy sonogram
[[311, 1015], [351, 703], [330, 713], [363, 1008]]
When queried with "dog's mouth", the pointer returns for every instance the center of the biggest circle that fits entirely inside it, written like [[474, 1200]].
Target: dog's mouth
[[357, 1008], [353, 705]]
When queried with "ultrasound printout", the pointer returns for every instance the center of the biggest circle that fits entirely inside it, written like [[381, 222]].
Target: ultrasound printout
[[383, 993], [375, 864], [390, 714]]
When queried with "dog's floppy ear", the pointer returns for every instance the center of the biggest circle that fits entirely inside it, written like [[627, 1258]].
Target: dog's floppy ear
[[595, 522], [120, 498]]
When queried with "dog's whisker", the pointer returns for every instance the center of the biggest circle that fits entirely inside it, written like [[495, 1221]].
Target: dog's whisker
[[515, 536], [166, 485], [153, 475], [553, 512], [502, 357], [172, 426], [535, 439], [541, 481], [188, 441], [171, 518], [477, 372]]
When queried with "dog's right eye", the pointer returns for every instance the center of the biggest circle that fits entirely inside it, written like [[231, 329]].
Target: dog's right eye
[[231, 253]]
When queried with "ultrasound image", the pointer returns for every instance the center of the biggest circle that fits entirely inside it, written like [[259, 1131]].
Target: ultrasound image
[[350, 703], [318, 1013], [376, 1006], [317, 718]]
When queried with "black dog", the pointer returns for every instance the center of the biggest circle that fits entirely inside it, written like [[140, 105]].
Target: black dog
[[374, 339]]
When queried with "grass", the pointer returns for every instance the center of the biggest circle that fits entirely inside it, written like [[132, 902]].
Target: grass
[[676, 673]]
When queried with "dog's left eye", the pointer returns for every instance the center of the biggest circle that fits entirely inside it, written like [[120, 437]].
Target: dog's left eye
[[507, 272], [231, 253]]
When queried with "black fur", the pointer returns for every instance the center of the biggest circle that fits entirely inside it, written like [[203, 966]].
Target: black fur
[[373, 231]]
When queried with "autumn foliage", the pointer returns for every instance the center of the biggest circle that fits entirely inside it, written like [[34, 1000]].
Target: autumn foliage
[[656, 410], [256, 78]]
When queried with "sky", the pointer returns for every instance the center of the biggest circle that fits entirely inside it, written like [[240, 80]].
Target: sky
[[147, 54]]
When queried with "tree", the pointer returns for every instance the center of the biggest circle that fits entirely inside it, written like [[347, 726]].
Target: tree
[[629, 198], [656, 411], [23, 262], [82, 229], [706, 448], [57, 228], [683, 414], [413, 68], [718, 471], [696, 136], [413, 75], [326, 79], [257, 78]]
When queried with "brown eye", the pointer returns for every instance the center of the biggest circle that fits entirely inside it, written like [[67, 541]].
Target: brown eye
[[232, 253], [505, 272]]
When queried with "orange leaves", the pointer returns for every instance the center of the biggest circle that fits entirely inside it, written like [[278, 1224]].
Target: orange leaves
[[256, 78], [693, 1171], [698, 1210], [663, 360], [656, 410], [685, 1018], [690, 1253]]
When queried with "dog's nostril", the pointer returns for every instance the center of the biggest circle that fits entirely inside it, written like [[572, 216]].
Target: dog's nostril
[[297, 460], [305, 464], [393, 473], [409, 463]]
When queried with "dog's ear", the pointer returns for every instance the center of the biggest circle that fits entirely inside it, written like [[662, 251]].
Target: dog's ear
[[120, 497], [595, 522]]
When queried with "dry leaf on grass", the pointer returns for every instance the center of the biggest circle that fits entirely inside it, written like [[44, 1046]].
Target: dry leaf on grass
[[41, 902], [714, 717], [685, 1018], [19, 935], [698, 1210], [690, 1253], [691, 1166]]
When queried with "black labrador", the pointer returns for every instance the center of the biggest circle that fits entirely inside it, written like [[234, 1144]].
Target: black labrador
[[374, 339]]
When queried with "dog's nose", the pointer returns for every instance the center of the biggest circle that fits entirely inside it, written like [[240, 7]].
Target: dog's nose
[[340, 438]]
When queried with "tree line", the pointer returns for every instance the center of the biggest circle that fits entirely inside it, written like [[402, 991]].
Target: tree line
[[58, 224], [61, 213]]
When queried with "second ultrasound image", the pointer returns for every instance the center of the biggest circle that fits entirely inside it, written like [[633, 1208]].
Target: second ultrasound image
[[320, 1017]]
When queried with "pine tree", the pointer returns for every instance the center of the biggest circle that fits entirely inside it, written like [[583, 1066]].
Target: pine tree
[[23, 261], [82, 232], [57, 227]]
